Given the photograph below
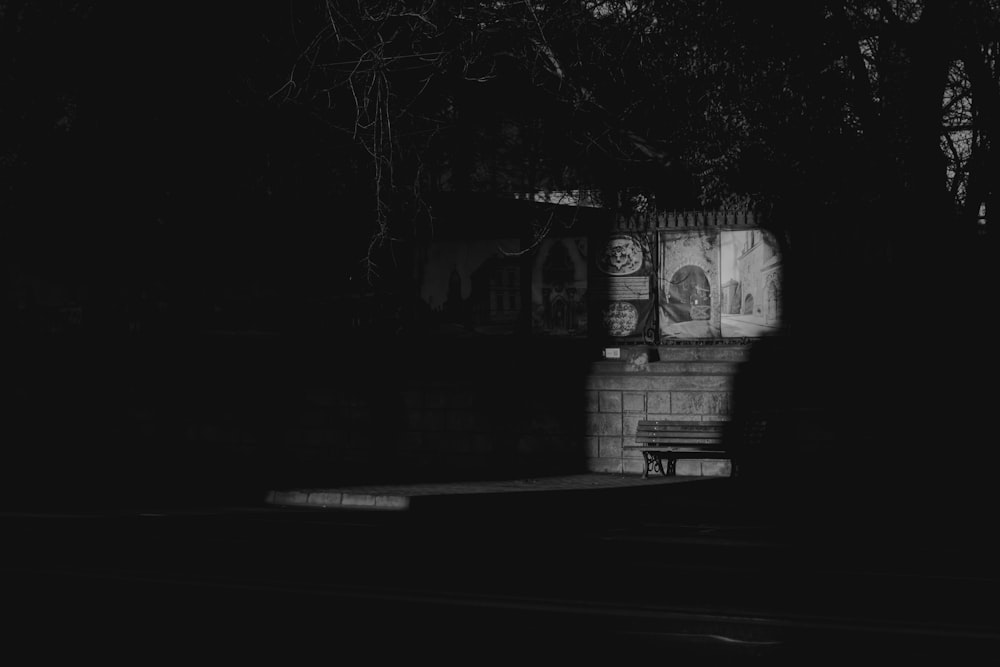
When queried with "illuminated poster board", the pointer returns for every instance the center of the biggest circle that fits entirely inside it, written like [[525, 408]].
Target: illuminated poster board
[[689, 284], [559, 287], [622, 289], [681, 279]]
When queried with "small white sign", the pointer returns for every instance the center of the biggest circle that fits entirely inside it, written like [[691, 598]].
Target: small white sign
[[612, 353]]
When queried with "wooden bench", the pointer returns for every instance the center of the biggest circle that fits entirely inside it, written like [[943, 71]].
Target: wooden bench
[[660, 439]]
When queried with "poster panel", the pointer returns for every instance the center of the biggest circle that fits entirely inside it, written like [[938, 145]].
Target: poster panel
[[559, 287], [689, 284], [622, 289], [471, 287], [751, 284]]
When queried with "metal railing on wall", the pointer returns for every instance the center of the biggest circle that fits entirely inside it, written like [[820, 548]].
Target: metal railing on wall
[[688, 220]]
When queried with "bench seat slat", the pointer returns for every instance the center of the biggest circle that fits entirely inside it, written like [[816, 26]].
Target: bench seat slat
[[679, 434], [680, 424], [704, 437], [681, 429], [679, 449], [695, 444]]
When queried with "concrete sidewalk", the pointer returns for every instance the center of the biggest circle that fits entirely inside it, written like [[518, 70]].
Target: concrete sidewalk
[[407, 496]]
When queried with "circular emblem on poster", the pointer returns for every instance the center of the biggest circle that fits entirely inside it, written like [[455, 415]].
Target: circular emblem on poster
[[621, 256], [621, 318]]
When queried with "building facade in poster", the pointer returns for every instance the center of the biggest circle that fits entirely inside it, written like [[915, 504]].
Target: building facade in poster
[[471, 287], [751, 275]]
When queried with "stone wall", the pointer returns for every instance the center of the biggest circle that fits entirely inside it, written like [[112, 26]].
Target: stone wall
[[689, 383], [462, 410]]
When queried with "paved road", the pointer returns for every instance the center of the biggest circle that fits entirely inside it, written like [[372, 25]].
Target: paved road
[[560, 582]]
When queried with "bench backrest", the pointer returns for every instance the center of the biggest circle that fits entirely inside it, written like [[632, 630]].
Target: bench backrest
[[654, 432], [693, 433]]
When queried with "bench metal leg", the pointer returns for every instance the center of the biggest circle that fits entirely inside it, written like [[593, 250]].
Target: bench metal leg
[[653, 462]]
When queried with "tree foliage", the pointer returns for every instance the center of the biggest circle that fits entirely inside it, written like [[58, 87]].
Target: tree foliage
[[841, 103], [354, 115]]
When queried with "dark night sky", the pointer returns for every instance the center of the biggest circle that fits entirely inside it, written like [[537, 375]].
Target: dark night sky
[[143, 127]]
